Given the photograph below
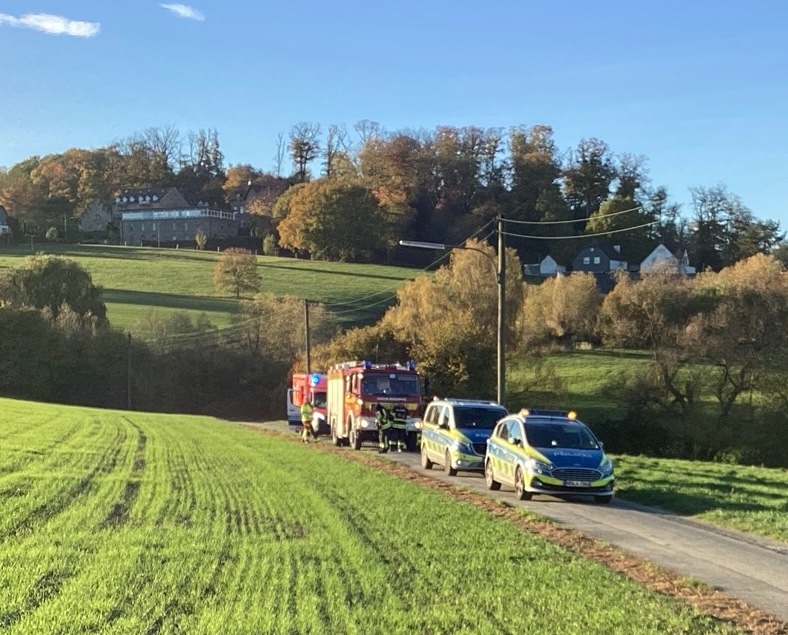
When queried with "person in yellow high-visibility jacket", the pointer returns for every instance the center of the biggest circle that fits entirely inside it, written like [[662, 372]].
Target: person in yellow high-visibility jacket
[[306, 421], [384, 420]]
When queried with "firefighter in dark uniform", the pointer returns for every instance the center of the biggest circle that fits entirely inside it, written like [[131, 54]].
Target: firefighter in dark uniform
[[400, 425], [384, 419]]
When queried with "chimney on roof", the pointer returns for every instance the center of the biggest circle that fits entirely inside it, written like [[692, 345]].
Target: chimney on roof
[[617, 248]]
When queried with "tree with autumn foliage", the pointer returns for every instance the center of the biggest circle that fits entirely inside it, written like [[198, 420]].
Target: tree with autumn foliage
[[449, 321], [333, 220], [561, 311], [236, 271]]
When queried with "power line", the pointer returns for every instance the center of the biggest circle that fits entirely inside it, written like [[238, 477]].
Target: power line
[[373, 295], [612, 231], [169, 342], [443, 257], [576, 220], [366, 306]]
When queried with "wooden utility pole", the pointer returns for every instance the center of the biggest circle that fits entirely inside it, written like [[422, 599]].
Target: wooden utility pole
[[501, 279], [306, 326], [129, 377]]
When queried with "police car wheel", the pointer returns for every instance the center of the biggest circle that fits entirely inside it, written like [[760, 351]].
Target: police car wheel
[[489, 478], [519, 486], [425, 460], [447, 468]]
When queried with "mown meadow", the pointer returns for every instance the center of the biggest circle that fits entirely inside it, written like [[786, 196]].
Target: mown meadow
[[746, 498], [137, 280], [126, 522]]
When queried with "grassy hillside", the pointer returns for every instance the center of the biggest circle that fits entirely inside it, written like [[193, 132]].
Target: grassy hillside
[[137, 279], [751, 499], [138, 523], [583, 374]]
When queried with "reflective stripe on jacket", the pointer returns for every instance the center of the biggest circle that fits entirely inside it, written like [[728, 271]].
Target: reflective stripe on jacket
[[384, 421]]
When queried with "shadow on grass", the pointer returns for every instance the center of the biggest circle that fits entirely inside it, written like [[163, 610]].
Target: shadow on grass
[[171, 301], [660, 493], [140, 253], [611, 354], [717, 481], [114, 252], [327, 272]]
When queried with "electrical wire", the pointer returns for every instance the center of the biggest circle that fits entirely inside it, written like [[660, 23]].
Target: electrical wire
[[197, 337], [352, 303], [563, 222], [612, 231], [443, 257]]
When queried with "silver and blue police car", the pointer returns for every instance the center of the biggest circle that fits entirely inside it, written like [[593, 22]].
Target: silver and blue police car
[[454, 433], [548, 452]]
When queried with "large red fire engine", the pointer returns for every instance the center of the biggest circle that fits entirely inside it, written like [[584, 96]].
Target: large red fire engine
[[355, 389]]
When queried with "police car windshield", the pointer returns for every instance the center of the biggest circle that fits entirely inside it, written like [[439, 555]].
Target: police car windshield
[[319, 400], [477, 417], [391, 384], [559, 435]]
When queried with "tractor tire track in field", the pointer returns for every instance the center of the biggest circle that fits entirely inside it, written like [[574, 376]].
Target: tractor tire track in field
[[182, 485], [705, 599], [46, 587], [42, 454], [354, 518], [397, 554], [217, 497], [52, 507], [120, 511], [62, 437], [181, 505]]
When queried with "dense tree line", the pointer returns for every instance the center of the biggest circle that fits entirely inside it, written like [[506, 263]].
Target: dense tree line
[[353, 195]]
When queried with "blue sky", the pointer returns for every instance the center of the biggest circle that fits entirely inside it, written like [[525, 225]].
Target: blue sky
[[699, 88]]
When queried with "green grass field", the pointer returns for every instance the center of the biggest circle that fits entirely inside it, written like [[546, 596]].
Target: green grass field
[[749, 499], [138, 279], [584, 375], [114, 522]]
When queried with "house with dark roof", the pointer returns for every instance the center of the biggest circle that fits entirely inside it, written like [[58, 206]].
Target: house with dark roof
[[156, 216], [263, 191], [603, 260], [599, 258]]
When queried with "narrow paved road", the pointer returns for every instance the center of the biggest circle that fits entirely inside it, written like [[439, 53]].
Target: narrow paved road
[[741, 565]]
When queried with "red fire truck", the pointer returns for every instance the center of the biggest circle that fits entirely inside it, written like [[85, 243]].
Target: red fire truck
[[312, 386], [355, 389]]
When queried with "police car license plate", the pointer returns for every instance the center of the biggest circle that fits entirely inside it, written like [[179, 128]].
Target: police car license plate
[[576, 484]]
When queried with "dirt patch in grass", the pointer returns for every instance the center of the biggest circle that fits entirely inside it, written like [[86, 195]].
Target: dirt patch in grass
[[705, 599]]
